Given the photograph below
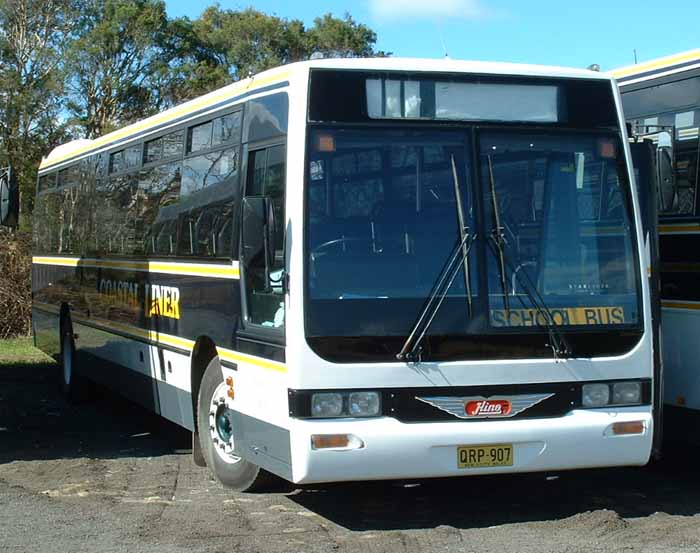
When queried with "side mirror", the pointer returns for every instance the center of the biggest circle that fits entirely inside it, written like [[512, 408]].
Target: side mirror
[[9, 199], [258, 235], [665, 172]]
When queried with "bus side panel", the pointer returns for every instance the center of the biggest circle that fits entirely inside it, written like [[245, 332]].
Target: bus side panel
[[264, 444], [156, 378], [681, 350], [45, 325], [47, 296]]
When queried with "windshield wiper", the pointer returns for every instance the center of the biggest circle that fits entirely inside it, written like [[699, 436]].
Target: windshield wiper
[[497, 236], [559, 344], [411, 350], [463, 230]]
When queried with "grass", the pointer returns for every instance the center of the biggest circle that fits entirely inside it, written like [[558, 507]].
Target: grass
[[21, 350]]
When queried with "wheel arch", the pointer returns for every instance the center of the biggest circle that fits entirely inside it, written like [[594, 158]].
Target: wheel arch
[[203, 352]]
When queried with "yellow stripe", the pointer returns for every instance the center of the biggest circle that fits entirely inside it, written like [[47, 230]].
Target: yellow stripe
[[62, 261], [656, 64], [679, 228], [187, 345], [217, 271], [247, 85], [237, 357], [680, 305]]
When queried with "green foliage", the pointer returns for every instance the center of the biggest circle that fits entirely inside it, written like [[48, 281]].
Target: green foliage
[[15, 288], [81, 68], [113, 63], [33, 37], [230, 45], [21, 350]]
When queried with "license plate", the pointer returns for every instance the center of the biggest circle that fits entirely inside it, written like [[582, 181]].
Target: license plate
[[478, 456]]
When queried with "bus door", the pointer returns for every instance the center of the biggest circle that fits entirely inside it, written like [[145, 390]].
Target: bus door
[[644, 159]]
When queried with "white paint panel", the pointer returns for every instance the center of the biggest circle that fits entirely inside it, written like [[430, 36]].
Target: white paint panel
[[582, 439]]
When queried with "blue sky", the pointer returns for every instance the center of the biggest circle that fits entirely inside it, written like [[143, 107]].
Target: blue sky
[[554, 32]]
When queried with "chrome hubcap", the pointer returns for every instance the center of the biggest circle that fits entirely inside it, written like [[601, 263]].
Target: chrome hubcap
[[221, 426]]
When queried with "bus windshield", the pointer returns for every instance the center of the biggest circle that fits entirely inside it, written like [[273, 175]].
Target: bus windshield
[[382, 219]]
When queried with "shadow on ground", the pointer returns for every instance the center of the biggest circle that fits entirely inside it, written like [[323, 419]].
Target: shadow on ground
[[36, 423], [671, 486]]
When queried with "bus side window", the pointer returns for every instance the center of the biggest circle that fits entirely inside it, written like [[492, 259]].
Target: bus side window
[[266, 176], [686, 184]]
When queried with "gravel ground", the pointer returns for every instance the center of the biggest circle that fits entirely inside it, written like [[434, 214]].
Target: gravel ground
[[108, 476]]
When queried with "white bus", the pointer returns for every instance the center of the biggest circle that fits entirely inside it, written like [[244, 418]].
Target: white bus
[[362, 269], [661, 98]]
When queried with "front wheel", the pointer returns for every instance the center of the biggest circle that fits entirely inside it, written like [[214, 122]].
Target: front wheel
[[215, 421]]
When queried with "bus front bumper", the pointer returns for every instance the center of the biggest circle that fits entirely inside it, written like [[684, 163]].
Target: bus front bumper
[[388, 449]]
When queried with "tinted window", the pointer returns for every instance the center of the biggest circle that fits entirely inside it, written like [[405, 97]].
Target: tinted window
[[173, 144], [199, 137], [40, 237], [53, 214], [117, 201], [227, 128], [207, 169], [208, 231], [662, 98], [266, 117], [159, 194], [164, 147], [132, 157], [266, 176], [47, 181], [69, 176], [153, 150], [116, 162]]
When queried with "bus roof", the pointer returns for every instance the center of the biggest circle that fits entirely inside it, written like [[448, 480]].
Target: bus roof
[[279, 75], [658, 67]]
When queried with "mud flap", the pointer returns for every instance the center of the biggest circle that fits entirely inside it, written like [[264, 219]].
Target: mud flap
[[197, 457]]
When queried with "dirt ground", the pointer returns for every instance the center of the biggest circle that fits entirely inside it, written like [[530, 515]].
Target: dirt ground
[[110, 477]]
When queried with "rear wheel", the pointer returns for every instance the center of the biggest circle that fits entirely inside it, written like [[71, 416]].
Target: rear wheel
[[72, 384], [216, 429]]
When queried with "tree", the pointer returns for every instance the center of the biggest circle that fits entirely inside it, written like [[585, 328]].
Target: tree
[[229, 45], [341, 38], [115, 64], [34, 35]]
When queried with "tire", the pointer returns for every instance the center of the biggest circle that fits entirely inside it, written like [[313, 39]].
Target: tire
[[73, 385], [212, 417]]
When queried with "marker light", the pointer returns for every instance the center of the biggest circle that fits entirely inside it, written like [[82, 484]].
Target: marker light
[[326, 405], [326, 143], [595, 395]]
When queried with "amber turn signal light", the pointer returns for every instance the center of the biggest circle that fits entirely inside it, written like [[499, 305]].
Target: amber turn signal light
[[634, 427]]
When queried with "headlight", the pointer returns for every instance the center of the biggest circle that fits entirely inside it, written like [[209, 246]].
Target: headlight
[[345, 404], [363, 404], [326, 405], [595, 395], [627, 392]]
